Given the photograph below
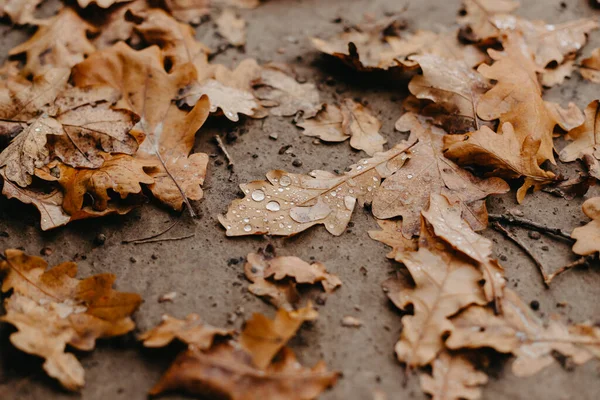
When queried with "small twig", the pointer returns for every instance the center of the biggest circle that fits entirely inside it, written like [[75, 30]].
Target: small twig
[[171, 239], [525, 223], [221, 145], [498, 227], [153, 236], [580, 261]]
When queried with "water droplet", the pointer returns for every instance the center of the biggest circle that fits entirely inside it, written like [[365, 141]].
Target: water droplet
[[409, 176], [280, 189], [285, 181], [351, 191], [228, 226], [364, 161], [273, 206], [246, 220], [37, 129], [369, 189], [258, 195], [280, 225], [242, 207], [247, 228], [359, 167], [333, 194], [375, 179], [349, 202]]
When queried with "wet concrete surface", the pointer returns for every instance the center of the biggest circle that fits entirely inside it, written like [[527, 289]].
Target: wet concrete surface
[[206, 273]]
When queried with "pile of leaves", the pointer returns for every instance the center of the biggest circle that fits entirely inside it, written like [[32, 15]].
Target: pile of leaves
[[94, 122]]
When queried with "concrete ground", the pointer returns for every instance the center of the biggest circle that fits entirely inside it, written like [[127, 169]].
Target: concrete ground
[[208, 281]]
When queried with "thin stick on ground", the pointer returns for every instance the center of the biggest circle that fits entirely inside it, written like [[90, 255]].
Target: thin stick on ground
[[526, 223], [153, 236], [509, 235], [579, 262], [221, 145], [169, 239]]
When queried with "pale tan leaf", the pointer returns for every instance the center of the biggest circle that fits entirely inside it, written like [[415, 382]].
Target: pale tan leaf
[[590, 67], [99, 3], [280, 294], [567, 118], [21, 12], [476, 18], [453, 378], [287, 203], [231, 27], [327, 125], [391, 235], [191, 331], [586, 141], [588, 236], [362, 127]]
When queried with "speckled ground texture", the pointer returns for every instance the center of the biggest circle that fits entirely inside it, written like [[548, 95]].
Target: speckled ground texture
[[200, 269]]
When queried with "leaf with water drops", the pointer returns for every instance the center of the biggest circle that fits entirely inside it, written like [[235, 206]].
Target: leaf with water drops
[[286, 203]]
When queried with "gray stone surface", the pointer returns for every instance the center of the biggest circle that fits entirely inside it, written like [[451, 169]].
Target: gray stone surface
[[198, 269]]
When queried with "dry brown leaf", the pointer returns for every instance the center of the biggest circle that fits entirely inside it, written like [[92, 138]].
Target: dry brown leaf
[[453, 378], [362, 127], [444, 284], [453, 85], [476, 18], [326, 125], [517, 96], [263, 338], [189, 11], [51, 47], [391, 235], [21, 12], [590, 67], [520, 332], [226, 371], [100, 3], [302, 272], [51, 308], [588, 236], [449, 226], [148, 90], [502, 152], [557, 76], [232, 28], [586, 141], [191, 331], [121, 174], [567, 118], [427, 171], [287, 203], [285, 95]]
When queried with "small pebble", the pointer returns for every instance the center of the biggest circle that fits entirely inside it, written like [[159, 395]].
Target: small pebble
[[46, 251], [167, 297], [274, 136], [535, 305], [297, 163], [351, 322], [154, 257], [535, 235], [503, 257], [231, 137], [545, 248], [132, 260], [100, 239], [321, 299]]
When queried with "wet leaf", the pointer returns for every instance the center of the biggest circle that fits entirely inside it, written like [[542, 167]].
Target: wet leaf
[[586, 141], [588, 236], [520, 332], [391, 235], [406, 192], [362, 127], [191, 331], [227, 371], [287, 203], [453, 378], [52, 309]]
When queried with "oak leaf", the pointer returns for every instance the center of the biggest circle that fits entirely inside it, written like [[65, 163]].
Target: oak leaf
[[476, 18], [263, 338], [453, 378], [406, 192], [588, 237], [188, 11], [20, 12], [449, 226], [445, 283], [503, 152], [51, 308], [191, 331], [100, 3], [520, 332], [231, 27], [51, 47], [287, 203], [586, 141], [326, 125], [391, 235], [285, 95], [453, 85], [227, 371], [148, 90], [590, 67]]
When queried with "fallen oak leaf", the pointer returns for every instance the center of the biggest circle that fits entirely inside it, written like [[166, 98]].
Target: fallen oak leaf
[[444, 284], [263, 338], [50, 47], [520, 332], [191, 331], [476, 18], [287, 204], [100, 3], [20, 12], [285, 95], [326, 125], [51, 308], [231, 27], [406, 192], [453, 377], [590, 67], [586, 141], [391, 235], [449, 226], [362, 127], [567, 118], [588, 237], [227, 371], [188, 11]]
